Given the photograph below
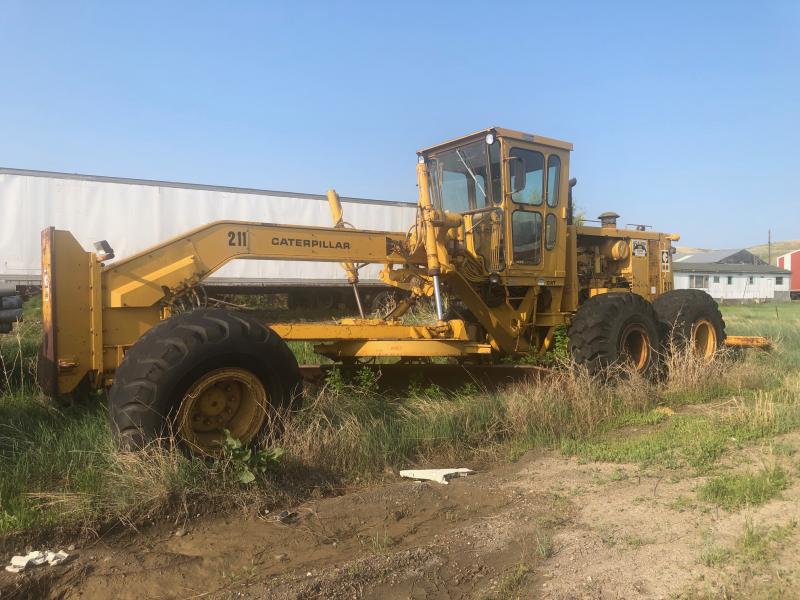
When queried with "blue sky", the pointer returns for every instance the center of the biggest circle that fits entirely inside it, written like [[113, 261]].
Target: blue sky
[[684, 115]]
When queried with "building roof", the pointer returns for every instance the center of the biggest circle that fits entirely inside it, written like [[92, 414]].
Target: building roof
[[732, 256], [708, 256], [714, 268], [193, 186]]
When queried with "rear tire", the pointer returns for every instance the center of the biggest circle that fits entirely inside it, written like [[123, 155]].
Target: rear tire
[[615, 329], [197, 373], [691, 317]]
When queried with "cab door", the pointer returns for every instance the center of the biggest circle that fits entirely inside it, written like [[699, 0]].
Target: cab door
[[555, 216], [525, 209], [536, 214]]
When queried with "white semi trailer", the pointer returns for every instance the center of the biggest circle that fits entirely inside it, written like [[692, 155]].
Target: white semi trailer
[[133, 214]]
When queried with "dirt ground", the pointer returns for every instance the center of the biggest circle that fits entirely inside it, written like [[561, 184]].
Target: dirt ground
[[545, 526]]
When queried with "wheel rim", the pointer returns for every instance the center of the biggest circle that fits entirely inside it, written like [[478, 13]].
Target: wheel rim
[[635, 346], [228, 398], [704, 338]]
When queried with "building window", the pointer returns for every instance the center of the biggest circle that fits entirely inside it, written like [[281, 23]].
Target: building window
[[750, 280], [779, 281], [716, 278], [698, 281], [730, 280]]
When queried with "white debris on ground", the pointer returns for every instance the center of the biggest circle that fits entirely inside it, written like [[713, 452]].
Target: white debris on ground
[[36, 558], [439, 475]]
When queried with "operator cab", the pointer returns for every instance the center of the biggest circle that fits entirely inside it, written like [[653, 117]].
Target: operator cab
[[512, 189]]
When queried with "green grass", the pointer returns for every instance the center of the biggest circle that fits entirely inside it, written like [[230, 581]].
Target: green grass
[[304, 352], [694, 440], [638, 418], [760, 543], [715, 556], [735, 490], [779, 322], [766, 387], [357, 432], [59, 467], [682, 504], [744, 569], [757, 544], [683, 440], [19, 350], [544, 545], [55, 463], [513, 581]]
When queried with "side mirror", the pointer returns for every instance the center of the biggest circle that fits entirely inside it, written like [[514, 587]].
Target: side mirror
[[518, 174]]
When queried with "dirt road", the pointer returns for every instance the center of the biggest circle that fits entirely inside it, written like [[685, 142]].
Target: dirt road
[[545, 526]]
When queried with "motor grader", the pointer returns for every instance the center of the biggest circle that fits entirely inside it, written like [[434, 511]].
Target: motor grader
[[496, 233]]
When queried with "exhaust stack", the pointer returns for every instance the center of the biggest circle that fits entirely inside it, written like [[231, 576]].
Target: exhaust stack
[[608, 220]]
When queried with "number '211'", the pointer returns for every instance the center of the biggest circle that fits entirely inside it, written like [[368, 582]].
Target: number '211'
[[237, 238]]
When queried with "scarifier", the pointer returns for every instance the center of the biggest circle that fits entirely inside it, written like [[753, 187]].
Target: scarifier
[[495, 232]]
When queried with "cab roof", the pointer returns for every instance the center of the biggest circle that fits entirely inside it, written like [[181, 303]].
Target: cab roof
[[501, 132]]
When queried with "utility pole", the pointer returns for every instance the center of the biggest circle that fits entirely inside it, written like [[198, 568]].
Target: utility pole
[[769, 246]]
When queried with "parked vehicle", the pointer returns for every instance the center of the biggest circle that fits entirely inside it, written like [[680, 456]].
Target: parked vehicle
[[495, 231], [133, 214]]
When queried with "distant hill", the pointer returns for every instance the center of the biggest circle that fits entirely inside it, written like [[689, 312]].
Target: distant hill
[[778, 248], [688, 250], [761, 251]]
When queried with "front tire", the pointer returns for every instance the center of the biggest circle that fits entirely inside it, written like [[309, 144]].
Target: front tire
[[198, 373], [617, 328]]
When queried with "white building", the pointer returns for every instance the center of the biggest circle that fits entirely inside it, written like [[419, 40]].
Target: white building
[[731, 275]]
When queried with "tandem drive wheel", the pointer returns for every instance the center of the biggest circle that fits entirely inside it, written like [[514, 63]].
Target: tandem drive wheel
[[197, 373], [618, 328], [691, 317]]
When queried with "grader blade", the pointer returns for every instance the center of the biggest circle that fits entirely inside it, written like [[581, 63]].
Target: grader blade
[[453, 377]]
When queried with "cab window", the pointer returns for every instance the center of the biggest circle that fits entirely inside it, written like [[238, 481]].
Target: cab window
[[527, 237], [550, 227], [553, 175], [496, 171], [533, 163], [459, 178], [456, 191]]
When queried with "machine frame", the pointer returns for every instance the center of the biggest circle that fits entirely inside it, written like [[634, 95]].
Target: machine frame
[[93, 312]]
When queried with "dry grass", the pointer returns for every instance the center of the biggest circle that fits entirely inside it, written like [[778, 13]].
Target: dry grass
[[349, 430], [689, 379], [59, 466], [570, 403], [733, 412]]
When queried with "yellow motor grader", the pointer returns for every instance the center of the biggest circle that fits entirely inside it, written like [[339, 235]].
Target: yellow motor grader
[[495, 231]]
